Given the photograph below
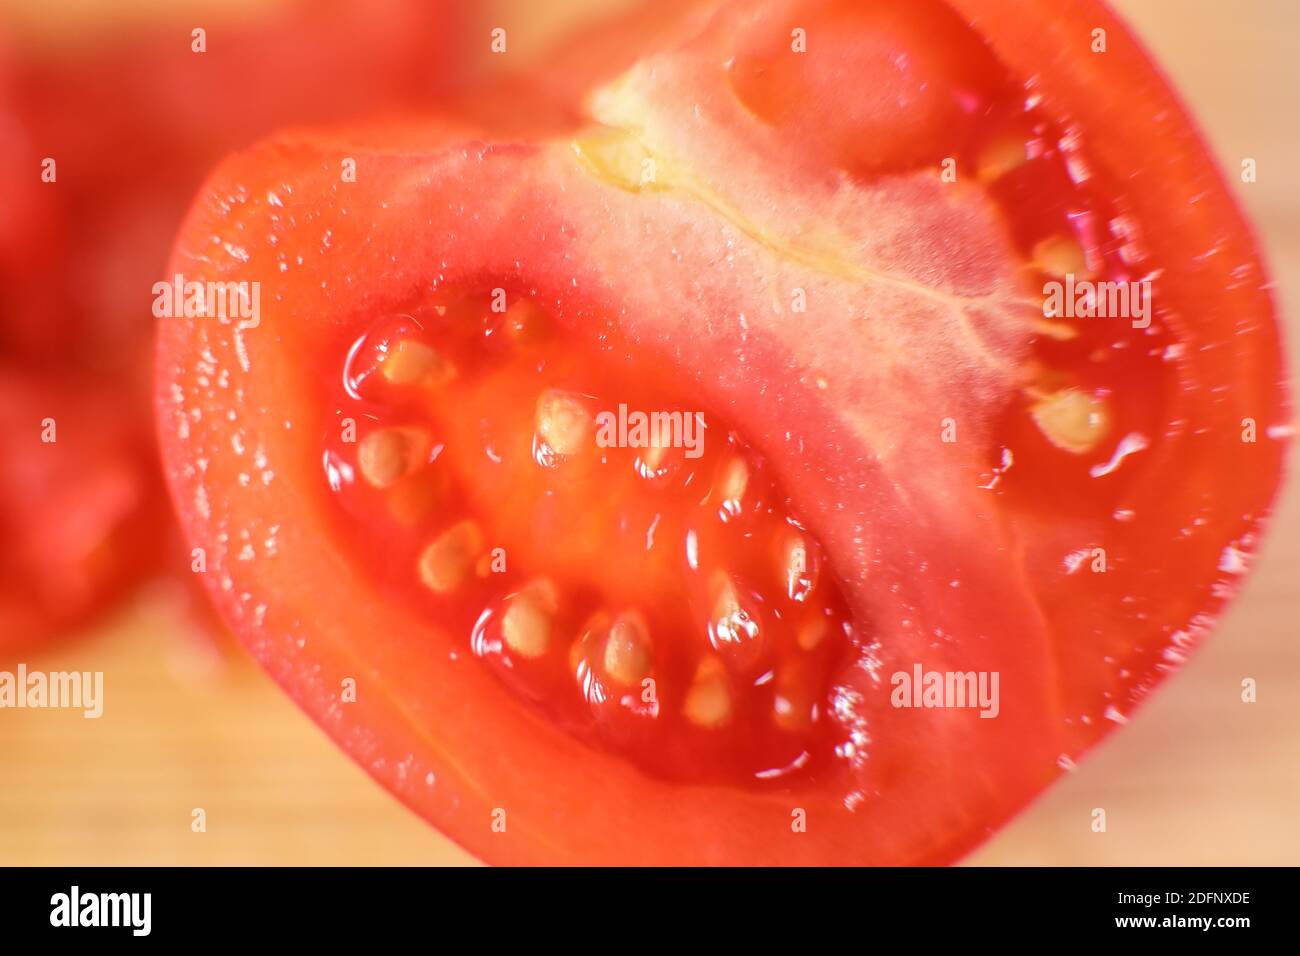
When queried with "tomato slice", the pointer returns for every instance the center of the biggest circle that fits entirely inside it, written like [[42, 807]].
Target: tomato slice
[[396, 472]]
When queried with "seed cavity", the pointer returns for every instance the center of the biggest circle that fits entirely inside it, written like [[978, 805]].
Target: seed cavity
[[448, 559], [1071, 419], [586, 633], [387, 455]]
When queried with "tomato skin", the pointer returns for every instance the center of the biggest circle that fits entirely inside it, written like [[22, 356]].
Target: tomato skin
[[314, 619]]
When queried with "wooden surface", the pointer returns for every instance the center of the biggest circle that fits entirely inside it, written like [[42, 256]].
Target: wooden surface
[[1199, 777]]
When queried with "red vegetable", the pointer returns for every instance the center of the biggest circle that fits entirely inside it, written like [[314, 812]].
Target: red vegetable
[[561, 648], [77, 514], [103, 140]]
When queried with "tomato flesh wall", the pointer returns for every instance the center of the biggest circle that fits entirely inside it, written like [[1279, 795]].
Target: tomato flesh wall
[[640, 578]]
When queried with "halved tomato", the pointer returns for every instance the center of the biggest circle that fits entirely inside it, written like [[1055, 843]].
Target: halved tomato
[[800, 461]]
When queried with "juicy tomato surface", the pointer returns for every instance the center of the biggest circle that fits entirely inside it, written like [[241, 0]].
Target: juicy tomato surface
[[602, 493], [131, 120]]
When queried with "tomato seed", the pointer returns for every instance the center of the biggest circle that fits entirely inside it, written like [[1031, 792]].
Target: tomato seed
[[708, 702], [733, 479], [811, 633], [1000, 156], [387, 455], [448, 560], [796, 566], [413, 363], [1059, 256], [627, 650], [1071, 419], [794, 704], [526, 625], [733, 628], [563, 422]]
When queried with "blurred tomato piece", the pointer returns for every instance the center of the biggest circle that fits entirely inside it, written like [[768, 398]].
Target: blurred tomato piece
[[103, 141], [81, 508]]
